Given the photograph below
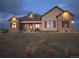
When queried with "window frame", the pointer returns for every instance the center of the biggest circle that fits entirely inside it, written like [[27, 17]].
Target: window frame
[[50, 23], [14, 25]]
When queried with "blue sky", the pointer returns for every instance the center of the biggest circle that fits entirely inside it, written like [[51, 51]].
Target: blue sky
[[18, 8]]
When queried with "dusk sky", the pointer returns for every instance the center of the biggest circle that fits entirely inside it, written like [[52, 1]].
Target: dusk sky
[[18, 8]]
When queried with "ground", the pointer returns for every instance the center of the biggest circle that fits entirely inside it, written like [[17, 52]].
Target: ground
[[43, 44]]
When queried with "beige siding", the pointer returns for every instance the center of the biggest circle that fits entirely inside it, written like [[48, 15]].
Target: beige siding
[[50, 16], [60, 19]]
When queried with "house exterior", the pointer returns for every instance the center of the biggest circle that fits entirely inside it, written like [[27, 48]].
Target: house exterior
[[55, 19]]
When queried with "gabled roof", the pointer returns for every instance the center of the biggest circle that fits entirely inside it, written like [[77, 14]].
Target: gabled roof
[[12, 17], [65, 11], [37, 17], [69, 12], [29, 19], [53, 9], [22, 18]]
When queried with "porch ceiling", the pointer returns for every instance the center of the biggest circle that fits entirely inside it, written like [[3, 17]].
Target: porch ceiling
[[30, 21]]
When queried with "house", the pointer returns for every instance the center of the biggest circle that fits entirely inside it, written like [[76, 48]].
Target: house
[[55, 19]]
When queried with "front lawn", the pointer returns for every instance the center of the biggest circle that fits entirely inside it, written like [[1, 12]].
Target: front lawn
[[43, 44]]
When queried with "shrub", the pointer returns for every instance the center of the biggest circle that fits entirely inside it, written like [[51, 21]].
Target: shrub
[[4, 30]]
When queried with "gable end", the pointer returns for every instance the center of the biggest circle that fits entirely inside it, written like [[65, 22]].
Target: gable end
[[53, 9]]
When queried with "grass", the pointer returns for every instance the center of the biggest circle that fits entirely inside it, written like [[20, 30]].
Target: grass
[[43, 44]]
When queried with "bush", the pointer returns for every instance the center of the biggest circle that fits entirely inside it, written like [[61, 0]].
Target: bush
[[4, 30]]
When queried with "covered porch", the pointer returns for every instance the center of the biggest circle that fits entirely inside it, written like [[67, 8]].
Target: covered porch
[[30, 26]]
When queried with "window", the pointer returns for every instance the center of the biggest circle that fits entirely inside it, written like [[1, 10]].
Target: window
[[30, 15], [14, 25], [65, 24], [54, 23], [45, 24], [37, 25], [50, 24]]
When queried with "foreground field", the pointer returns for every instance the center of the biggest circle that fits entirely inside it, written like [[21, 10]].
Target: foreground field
[[45, 44]]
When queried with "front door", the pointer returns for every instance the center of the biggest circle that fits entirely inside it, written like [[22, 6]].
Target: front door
[[65, 25]]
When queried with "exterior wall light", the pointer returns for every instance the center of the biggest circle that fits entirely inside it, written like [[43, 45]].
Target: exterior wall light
[[66, 15], [72, 22], [14, 19]]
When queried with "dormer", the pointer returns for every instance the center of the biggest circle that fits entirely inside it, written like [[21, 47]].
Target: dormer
[[30, 15]]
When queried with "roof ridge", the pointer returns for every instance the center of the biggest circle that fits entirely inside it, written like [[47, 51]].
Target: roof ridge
[[53, 9]]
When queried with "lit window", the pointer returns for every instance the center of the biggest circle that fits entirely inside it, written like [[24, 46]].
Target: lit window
[[30, 26], [31, 15], [50, 24], [14, 25], [37, 25]]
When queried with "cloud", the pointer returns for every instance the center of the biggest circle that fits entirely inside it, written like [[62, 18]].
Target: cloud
[[10, 6], [20, 7]]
